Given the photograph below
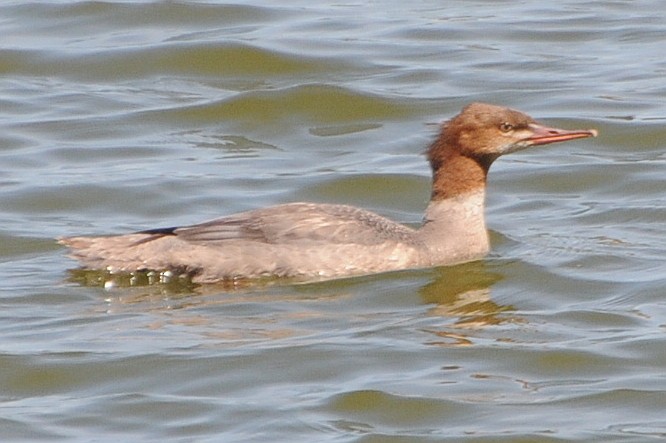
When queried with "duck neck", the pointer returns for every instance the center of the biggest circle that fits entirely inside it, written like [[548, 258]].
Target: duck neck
[[457, 175], [454, 222]]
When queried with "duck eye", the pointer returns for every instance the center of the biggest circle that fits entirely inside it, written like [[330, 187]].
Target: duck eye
[[506, 127]]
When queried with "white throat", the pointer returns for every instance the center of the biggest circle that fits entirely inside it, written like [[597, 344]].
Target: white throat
[[456, 227]]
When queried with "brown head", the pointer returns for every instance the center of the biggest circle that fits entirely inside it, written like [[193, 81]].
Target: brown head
[[469, 143]]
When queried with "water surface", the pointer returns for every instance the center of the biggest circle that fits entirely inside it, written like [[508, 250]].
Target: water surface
[[119, 116]]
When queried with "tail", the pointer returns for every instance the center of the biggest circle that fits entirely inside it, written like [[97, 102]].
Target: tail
[[122, 253]]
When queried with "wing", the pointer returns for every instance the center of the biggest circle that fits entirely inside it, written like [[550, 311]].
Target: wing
[[295, 223]]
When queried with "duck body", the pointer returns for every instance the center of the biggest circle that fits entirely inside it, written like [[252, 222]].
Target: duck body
[[299, 240], [324, 241]]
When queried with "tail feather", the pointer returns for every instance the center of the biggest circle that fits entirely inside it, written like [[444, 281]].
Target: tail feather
[[117, 253]]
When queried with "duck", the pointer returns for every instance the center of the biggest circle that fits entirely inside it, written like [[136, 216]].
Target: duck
[[315, 241]]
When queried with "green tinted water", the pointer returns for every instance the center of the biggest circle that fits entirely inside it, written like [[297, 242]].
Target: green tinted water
[[122, 116]]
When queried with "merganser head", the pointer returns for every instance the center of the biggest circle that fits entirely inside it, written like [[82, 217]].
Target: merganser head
[[484, 132]]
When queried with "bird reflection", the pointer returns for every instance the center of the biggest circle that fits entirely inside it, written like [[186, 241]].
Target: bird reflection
[[460, 295], [463, 293]]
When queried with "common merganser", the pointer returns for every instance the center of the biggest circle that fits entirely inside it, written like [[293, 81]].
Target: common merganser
[[323, 241]]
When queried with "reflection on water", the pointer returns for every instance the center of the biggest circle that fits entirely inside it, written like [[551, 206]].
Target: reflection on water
[[459, 293], [168, 283], [464, 292]]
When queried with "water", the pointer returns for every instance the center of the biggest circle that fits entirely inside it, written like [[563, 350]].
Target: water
[[119, 116]]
